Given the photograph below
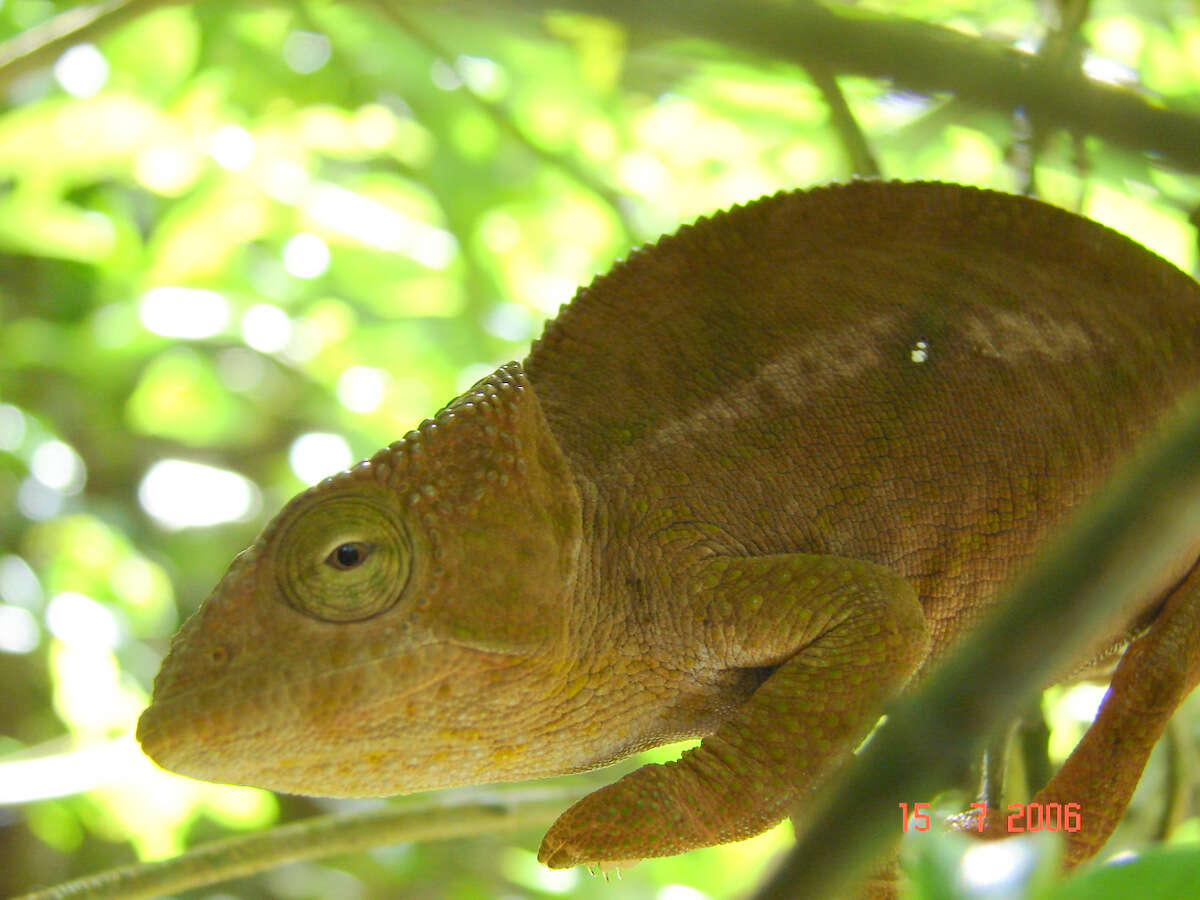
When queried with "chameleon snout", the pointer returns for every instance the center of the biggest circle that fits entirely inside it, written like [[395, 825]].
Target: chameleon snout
[[184, 716]]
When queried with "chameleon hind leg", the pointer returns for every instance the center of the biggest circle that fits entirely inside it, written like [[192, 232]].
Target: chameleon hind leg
[[1156, 673]]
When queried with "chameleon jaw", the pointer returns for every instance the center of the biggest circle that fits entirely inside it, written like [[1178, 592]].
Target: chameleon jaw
[[350, 732]]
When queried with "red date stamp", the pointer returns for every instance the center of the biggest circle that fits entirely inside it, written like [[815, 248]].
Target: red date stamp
[[1022, 817]]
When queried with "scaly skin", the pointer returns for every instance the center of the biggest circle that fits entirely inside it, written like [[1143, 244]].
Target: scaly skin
[[745, 487]]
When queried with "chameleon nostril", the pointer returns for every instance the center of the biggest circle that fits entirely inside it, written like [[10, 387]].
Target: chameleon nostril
[[219, 655]]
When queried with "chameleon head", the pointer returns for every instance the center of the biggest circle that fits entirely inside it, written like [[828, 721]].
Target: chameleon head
[[386, 631]]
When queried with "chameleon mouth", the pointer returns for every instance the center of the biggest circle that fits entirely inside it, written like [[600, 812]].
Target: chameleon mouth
[[263, 756], [204, 733], [349, 731]]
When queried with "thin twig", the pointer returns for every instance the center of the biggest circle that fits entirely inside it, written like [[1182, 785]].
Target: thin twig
[[854, 142], [43, 43], [311, 839], [1061, 52], [505, 122]]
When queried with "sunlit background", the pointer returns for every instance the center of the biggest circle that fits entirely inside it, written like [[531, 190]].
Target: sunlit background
[[245, 245]]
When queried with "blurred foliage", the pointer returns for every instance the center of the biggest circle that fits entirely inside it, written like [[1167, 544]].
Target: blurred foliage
[[243, 244]]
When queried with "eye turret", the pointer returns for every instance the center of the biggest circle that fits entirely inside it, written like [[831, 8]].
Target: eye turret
[[343, 558]]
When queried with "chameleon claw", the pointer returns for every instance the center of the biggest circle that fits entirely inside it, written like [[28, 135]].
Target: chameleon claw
[[606, 868]]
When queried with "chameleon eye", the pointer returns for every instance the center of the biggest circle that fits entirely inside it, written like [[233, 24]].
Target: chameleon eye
[[347, 556], [343, 558]]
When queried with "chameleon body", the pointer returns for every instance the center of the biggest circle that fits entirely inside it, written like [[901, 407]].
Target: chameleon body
[[746, 486]]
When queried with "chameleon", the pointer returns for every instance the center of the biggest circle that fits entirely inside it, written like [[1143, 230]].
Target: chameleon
[[746, 487]]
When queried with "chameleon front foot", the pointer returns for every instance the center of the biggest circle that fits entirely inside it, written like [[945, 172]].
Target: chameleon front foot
[[592, 832], [642, 815], [563, 855]]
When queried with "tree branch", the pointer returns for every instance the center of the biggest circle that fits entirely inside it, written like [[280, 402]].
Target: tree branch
[[913, 55]]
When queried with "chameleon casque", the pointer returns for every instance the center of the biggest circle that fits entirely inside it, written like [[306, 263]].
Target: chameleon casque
[[746, 486]]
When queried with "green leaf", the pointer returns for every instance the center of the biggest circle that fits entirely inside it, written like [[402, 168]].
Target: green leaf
[[1162, 873]]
